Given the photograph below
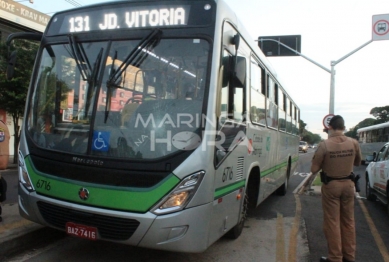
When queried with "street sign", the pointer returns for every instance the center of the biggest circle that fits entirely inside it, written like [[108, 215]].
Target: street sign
[[380, 30], [327, 119]]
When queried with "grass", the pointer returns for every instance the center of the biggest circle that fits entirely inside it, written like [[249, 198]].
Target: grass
[[317, 181]]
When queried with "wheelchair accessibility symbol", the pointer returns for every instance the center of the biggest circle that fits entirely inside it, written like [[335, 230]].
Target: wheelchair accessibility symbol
[[100, 141]]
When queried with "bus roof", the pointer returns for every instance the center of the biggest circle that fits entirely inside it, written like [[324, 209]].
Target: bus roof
[[373, 127]]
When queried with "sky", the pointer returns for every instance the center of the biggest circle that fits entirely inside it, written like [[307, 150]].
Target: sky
[[330, 30]]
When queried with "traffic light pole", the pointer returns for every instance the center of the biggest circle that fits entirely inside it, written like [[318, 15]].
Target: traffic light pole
[[295, 51], [332, 71], [333, 64]]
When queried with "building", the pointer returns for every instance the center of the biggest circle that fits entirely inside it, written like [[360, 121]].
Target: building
[[15, 17]]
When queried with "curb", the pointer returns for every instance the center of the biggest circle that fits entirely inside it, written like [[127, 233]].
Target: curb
[[18, 234], [306, 187], [36, 237]]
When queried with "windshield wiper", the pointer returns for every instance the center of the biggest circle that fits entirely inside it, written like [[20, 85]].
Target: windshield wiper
[[80, 58], [92, 82], [140, 52], [150, 41]]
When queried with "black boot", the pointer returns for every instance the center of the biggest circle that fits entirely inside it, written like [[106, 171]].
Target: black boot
[[324, 259]]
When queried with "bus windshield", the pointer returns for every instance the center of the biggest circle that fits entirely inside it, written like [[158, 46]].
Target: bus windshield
[[119, 99]]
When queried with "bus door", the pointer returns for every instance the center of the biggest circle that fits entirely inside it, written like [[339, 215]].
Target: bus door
[[230, 147]]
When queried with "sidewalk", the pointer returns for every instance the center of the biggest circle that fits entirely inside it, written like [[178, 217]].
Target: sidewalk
[[17, 233]]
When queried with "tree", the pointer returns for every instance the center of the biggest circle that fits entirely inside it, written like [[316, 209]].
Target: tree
[[353, 131], [13, 93], [311, 138], [381, 114], [308, 136], [302, 127]]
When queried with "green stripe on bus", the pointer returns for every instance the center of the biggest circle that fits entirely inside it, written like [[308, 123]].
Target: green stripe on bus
[[228, 189], [111, 197], [275, 168], [231, 188]]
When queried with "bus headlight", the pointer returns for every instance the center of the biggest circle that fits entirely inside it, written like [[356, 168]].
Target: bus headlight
[[180, 196], [24, 178]]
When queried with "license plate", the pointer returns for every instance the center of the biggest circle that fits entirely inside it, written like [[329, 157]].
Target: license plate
[[81, 231]]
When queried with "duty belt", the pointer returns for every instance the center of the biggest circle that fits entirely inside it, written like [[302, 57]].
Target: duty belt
[[339, 178], [326, 179]]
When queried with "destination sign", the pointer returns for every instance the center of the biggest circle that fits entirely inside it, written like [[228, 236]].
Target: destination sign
[[130, 16]]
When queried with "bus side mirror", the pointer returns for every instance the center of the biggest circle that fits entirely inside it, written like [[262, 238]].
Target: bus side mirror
[[11, 65], [374, 155]]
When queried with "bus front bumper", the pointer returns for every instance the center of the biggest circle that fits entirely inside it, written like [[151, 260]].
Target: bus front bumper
[[184, 231]]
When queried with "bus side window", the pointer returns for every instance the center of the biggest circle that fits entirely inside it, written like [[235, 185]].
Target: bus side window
[[238, 89]]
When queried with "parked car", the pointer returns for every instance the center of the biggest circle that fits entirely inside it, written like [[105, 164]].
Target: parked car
[[303, 146], [377, 177]]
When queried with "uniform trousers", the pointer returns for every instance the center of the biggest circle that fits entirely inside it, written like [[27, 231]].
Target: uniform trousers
[[338, 219]]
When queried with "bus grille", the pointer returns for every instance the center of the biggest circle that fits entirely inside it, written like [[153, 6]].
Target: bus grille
[[112, 228]]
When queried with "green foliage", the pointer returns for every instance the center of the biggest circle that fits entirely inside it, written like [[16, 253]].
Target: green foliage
[[381, 114], [353, 131], [302, 126], [310, 138], [307, 136], [13, 92]]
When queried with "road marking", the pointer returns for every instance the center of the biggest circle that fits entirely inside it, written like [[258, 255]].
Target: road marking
[[294, 232], [374, 231], [280, 246], [301, 174]]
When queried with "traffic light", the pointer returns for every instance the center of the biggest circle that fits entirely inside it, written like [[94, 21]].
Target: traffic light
[[273, 48]]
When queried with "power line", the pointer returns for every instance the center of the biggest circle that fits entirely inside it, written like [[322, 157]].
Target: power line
[[73, 2]]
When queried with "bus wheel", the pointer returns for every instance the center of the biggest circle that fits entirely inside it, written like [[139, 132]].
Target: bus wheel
[[236, 231], [281, 191]]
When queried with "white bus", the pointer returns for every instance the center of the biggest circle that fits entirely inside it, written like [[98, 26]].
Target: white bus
[[152, 123], [374, 133], [372, 138]]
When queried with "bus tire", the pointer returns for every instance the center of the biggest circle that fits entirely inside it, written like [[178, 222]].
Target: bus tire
[[281, 191], [236, 231]]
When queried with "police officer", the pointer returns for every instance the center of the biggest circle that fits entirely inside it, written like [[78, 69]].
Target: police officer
[[335, 157]]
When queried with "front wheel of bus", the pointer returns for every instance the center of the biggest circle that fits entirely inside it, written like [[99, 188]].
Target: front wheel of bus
[[236, 231]]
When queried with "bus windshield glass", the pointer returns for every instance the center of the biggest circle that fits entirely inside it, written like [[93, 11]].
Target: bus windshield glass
[[119, 99]]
